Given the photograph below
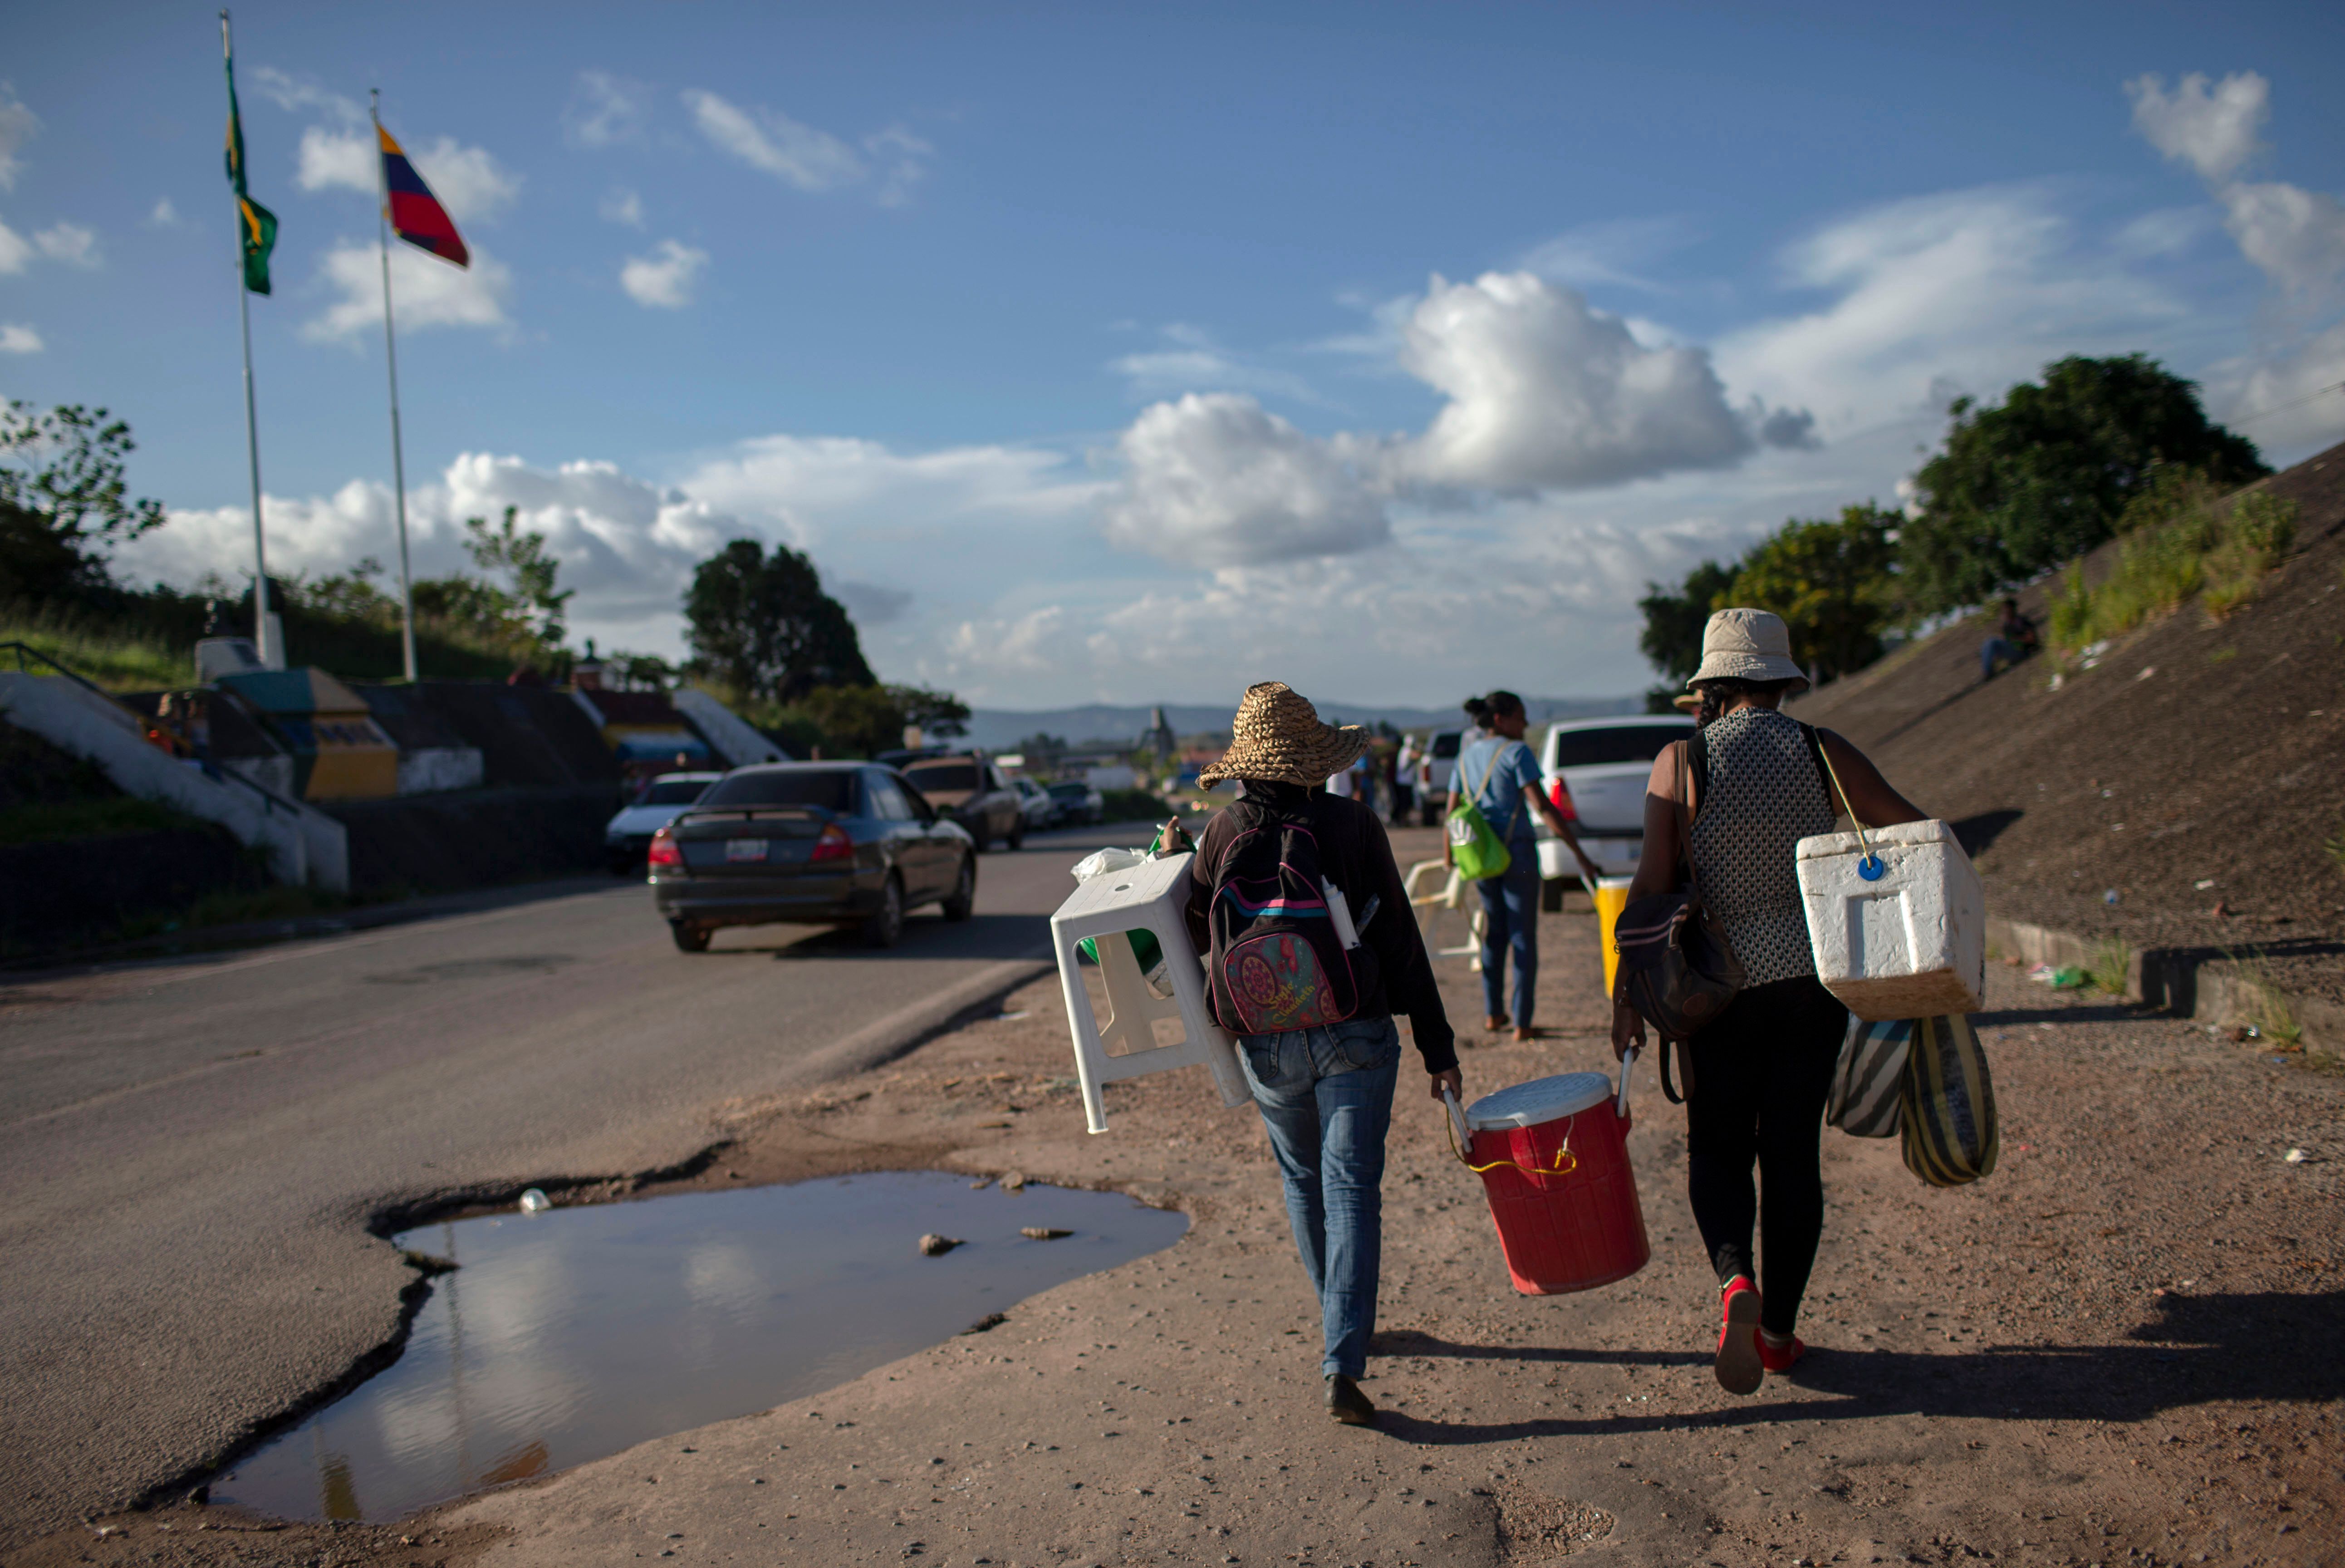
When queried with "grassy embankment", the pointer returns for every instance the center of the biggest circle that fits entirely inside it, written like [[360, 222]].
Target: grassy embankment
[[2179, 539]]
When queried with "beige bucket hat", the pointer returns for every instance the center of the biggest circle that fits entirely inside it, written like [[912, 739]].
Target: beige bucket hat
[[1747, 645], [1277, 736]]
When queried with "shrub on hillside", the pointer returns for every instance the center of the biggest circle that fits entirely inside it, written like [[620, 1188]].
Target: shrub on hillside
[[2180, 537]]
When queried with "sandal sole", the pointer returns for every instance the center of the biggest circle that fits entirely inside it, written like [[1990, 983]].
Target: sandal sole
[[1739, 1370]]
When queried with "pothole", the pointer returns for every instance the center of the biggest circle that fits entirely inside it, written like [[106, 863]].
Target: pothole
[[564, 1336]]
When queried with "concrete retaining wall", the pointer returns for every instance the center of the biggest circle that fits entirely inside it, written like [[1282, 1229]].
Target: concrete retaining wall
[[2201, 983], [473, 838], [304, 845]]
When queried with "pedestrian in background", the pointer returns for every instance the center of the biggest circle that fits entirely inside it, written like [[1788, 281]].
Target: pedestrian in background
[[1757, 1074], [1501, 777], [1325, 1093], [1404, 782]]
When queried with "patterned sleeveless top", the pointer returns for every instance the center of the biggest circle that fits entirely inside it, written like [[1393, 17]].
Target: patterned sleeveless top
[[1762, 798]]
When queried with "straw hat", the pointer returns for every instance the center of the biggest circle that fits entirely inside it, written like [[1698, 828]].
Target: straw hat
[[1687, 702], [1277, 736], [1747, 645]]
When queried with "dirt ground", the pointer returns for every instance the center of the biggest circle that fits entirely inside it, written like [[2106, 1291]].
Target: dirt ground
[[2124, 1347]]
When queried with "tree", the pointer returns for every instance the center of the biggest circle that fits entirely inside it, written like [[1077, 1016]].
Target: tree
[[866, 720], [763, 625], [1831, 582], [2043, 476], [940, 714], [523, 553], [1673, 621], [63, 500]]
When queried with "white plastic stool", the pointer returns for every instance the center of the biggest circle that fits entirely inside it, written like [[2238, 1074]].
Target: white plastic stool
[[1151, 897], [1451, 897]]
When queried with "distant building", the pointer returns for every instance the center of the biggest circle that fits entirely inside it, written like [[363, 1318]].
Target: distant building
[[1159, 740]]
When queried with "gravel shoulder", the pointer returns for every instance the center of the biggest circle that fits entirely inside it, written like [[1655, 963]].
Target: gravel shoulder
[[2124, 1347]]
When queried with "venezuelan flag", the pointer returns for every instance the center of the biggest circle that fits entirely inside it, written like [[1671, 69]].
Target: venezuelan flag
[[416, 215]]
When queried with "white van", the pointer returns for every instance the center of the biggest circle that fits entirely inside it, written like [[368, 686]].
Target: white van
[[1594, 770]]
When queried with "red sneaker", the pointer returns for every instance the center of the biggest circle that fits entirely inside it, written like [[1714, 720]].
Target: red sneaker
[[1741, 1368], [1779, 1358]]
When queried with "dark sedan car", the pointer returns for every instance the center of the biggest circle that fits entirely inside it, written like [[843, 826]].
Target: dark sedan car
[[969, 788], [827, 844]]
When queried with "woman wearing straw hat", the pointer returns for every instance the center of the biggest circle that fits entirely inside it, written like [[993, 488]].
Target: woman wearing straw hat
[[1758, 1074], [1325, 1093]]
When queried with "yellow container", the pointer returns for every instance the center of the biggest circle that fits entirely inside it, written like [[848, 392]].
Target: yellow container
[[1611, 897]]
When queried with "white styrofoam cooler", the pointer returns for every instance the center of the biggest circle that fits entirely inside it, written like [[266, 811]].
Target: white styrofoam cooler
[[1908, 941]]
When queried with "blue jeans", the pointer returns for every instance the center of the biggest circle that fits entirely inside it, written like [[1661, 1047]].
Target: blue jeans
[[1510, 909], [1327, 1096], [1995, 648]]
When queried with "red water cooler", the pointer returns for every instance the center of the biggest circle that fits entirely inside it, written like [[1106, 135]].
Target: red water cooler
[[1553, 1157]]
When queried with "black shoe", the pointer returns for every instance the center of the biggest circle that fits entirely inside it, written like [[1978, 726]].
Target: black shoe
[[1346, 1403]]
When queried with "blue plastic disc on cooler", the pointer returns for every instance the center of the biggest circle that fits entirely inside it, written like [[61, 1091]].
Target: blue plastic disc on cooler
[[1870, 868]]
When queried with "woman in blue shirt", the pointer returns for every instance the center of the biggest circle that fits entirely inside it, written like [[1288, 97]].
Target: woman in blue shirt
[[1502, 778]]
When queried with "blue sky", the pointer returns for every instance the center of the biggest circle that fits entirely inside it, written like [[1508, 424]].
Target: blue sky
[[1097, 353]]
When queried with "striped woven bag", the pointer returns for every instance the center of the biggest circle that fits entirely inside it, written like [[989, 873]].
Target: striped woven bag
[[1869, 1083], [1946, 1103]]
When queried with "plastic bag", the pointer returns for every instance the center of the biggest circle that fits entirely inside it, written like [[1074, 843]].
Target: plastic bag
[[1144, 945]]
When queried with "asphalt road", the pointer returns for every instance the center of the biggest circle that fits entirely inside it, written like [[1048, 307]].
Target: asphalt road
[[190, 1151]]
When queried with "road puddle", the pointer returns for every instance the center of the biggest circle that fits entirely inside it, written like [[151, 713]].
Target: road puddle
[[572, 1334]]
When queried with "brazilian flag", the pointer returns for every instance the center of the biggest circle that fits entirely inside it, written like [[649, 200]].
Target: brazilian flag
[[256, 225]]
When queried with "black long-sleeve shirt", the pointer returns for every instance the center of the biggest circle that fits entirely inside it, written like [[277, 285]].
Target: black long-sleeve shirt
[[1357, 857]]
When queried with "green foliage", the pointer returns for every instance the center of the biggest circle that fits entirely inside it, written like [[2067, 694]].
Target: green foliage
[[534, 598], [2110, 966], [2335, 847], [866, 720], [63, 499], [762, 625], [1831, 582], [119, 657], [2044, 476], [1673, 621], [106, 818], [2179, 536]]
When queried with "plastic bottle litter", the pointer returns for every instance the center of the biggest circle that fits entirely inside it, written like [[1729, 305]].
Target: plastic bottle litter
[[535, 1201], [2110, 896], [1043, 1233], [2296, 1157], [2066, 977]]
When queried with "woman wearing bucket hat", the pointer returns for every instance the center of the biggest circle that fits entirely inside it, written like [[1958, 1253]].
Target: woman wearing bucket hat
[[1325, 1089], [1757, 1074]]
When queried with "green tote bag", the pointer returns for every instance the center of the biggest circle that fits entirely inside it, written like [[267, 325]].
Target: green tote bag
[[1475, 849]]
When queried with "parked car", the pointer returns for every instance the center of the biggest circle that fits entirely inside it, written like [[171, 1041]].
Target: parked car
[[827, 844], [969, 789], [1441, 769], [1595, 770], [1034, 802], [655, 804], [1075, 804]]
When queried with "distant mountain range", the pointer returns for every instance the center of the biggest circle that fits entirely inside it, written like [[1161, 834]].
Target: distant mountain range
[[998, 729]]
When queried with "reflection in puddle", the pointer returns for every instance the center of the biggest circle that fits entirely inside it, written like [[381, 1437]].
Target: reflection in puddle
[[572, 1334]]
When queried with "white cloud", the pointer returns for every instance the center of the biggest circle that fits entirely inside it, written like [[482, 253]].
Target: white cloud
[[426, 291], [2295, 237], [771, 141], [1975, 289], [163, 216], [1546, 393], [18, 126], [870, 603], [621, 206], [469, 181], [605, 110], [2212, 131], [69, 243], [18, 339], [1215, 480], [295, 96], [811, 159], [665, 278], [1190, 361], [2289, 402], [15, 250], [1613, 252]]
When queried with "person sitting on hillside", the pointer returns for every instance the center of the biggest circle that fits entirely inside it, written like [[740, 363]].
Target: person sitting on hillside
[[2014, 640], [1324, 1091]]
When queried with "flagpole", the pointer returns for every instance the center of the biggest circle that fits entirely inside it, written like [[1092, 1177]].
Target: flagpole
[[272, 655], [390, 360]]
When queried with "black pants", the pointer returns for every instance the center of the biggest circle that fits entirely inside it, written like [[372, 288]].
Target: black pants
[[1761, 1074]]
